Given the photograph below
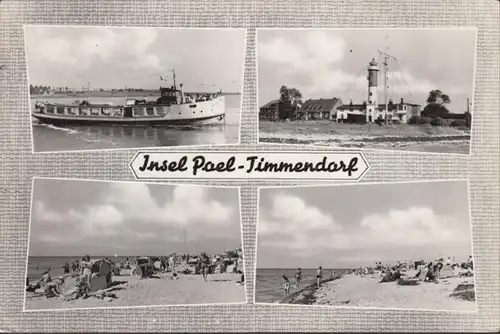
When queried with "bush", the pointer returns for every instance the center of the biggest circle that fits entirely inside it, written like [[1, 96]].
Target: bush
[[425, 120], [459, 123], [414, 120], [438, 121]]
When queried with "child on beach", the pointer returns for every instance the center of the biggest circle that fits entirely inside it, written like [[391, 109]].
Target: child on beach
[[286, 285], [298, 277], [319, 275]]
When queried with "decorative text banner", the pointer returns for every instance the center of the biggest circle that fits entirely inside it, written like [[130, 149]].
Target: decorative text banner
[[249, 165]]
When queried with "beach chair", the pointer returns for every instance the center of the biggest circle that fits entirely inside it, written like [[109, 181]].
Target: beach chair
[[102, 279]]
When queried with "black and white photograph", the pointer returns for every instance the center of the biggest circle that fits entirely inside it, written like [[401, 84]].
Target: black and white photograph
[[384, 89], [129, 244], [375, 245], [95, 88]]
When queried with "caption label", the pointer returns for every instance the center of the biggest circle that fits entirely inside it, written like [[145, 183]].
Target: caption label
[[249, 165]]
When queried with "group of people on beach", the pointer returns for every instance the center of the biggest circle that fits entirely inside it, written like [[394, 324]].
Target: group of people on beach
[[425, 271], [52, 287], [298, 279]]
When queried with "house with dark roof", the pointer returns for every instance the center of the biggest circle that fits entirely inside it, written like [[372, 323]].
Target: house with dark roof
[[319, 109], [269, 111], [278, 110]]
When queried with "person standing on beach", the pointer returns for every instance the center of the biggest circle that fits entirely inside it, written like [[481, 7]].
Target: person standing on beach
[[66, 267], [286, 285], [319, 275], [298, 277]]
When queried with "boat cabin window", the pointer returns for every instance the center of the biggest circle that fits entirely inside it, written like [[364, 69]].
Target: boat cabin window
[[60, 110], [160, 111], [150, 111], [138, 111], [50, 109]]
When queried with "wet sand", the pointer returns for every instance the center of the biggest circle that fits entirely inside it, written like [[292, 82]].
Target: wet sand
[[132, 291]]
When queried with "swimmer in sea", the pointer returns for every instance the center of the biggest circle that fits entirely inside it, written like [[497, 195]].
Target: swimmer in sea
[[286, 285], [298, 277], [319, 275]]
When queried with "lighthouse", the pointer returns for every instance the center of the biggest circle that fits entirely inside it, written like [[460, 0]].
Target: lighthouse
[[372, 104]]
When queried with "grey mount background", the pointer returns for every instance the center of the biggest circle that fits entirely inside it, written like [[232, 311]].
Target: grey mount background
[[18, 165]]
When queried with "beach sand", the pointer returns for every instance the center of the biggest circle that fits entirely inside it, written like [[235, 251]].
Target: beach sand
[[358, 291], [132, 291]]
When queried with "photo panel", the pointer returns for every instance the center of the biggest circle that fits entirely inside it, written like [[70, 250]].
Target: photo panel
[[390, 89], [375, 245], [119, 88], [131, 244]]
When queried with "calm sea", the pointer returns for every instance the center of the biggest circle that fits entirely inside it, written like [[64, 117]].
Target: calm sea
[[37, 265], [269, 287], [52, 138]]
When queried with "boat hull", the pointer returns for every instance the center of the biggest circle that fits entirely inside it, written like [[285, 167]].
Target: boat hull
[[206, 112]]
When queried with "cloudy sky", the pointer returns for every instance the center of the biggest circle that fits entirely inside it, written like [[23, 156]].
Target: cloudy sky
[[356, 225], [324, 63], [71, 218], [135, 57]]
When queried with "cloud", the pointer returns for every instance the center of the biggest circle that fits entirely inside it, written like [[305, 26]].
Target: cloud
[[318, 51], [416, 226], [133, 202], [57, 50], [291, 223]]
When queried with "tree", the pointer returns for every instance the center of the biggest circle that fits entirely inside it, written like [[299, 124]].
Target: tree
[[437, 97], [436, 104], [290, 98]]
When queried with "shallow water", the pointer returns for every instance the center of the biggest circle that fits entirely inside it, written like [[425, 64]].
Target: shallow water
[[52, 138], [268, 283]]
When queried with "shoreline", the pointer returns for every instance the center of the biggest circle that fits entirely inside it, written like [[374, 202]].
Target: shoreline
[[306, 295], [113, 95]]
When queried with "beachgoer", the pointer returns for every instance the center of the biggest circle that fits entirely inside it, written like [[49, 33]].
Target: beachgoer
[[86, 272], [66, 267], [204, 271], [52, 289], [298, 277], [286, 285], [448, 261], [319, 275], [332, 273]]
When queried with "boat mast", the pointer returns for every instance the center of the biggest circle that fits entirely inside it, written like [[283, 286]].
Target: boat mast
[[184, 239], [173, 74], [385, 64]]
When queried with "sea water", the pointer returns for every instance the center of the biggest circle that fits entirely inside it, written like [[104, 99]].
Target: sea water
[[53, 138], [269, 283]]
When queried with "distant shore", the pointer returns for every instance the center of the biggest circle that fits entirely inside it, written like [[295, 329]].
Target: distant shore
[[111, 94], [367, 291]]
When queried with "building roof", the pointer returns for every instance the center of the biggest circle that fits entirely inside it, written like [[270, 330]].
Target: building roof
[[270, 103], [320, 105]]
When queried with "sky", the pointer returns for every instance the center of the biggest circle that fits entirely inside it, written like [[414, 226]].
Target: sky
[[135, 57], [74, 217], [328, 63], [355, 225]]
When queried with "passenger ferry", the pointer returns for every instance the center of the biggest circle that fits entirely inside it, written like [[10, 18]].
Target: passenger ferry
[[173, 107]]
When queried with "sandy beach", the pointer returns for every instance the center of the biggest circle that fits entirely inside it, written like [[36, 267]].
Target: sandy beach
[[366, 291], [132, 291]]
